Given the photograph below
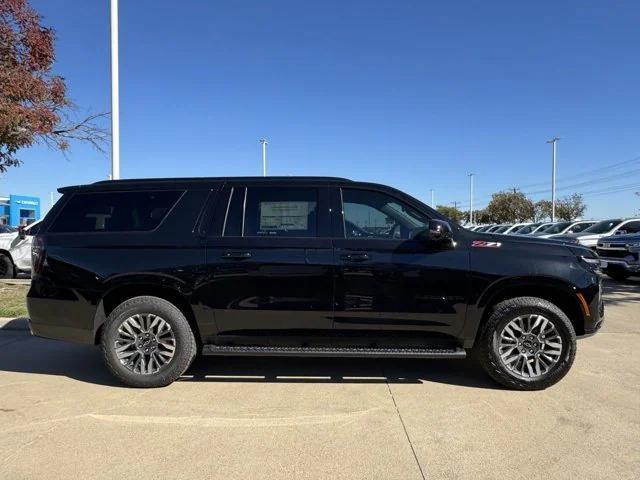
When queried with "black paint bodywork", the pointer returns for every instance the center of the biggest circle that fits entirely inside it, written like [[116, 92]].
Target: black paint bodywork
[[298, 291]]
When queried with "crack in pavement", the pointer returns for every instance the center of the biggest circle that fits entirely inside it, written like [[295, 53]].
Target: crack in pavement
[[406, 433]]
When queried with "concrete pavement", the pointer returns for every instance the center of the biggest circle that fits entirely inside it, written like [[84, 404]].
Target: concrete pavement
[[63, 416]]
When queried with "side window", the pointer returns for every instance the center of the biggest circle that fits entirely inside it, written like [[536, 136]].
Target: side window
[[115, 211], [631, 227], [370, 214], [232, 226], [272, 212]]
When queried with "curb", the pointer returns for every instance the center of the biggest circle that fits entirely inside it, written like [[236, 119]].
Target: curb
[[15, 324]]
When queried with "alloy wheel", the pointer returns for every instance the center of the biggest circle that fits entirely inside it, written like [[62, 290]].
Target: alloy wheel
[[145, 344], [530, 345]]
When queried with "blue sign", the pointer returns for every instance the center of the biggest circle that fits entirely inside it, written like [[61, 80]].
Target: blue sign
[[23, 210]]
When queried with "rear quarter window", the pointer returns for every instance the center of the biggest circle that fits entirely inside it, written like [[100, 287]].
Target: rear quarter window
[[115, 211]]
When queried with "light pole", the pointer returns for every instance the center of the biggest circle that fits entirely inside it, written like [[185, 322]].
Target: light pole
[[433, 204], [264, 142], [553, 142], [115, 95], [471, 175]]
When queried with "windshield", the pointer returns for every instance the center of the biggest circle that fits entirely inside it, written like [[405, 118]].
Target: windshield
[[580, 227], [603, 226], [502, 229], [557, 227], [543, 227], [527, 229]]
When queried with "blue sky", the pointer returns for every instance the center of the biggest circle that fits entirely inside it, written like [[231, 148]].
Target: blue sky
[[414, 94]]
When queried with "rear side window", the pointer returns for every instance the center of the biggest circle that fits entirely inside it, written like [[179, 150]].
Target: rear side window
[[272, 212], [115, 211]]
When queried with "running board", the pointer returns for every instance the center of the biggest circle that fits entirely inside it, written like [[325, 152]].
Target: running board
[[235, 350]]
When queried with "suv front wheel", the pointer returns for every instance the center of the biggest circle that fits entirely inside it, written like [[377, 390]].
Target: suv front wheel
[[528, 343], [147, 342]]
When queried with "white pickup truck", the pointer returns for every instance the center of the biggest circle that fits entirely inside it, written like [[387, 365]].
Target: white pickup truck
[[15, 251]]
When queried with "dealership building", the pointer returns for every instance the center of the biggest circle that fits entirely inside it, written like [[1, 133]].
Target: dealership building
[[16, 210]]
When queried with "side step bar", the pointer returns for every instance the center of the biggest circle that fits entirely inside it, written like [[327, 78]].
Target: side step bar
[[234, 350]]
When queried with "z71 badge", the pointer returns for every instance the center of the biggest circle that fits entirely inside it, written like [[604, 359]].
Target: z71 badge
[[483, 244]]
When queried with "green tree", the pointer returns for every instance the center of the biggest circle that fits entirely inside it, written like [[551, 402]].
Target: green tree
[[510, 207], [452, 212], [482, 216], [542, 209], [570, 207]]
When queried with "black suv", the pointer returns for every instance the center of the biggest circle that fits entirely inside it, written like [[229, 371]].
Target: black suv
[[156, 271]]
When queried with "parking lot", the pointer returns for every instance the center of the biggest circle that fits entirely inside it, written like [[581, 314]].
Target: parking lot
[[64, 416]]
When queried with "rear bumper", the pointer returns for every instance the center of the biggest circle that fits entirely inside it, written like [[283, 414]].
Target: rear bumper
[[70, 319], [57, 332]]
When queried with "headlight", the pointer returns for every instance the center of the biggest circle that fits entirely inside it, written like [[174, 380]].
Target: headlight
[[591, 263], [633, 246], [591, 260]]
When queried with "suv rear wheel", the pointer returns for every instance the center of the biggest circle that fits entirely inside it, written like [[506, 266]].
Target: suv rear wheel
[[147, 342], [528, 344]]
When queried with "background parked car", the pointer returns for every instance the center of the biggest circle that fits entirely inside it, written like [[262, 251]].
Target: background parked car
[[541, 228], [15, 250], [514, 228], [560, 228], [502, 229], [589, 237], [526, 228], [619, 255]]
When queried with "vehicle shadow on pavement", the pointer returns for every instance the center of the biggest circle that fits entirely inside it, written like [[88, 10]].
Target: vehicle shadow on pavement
[[466, 373], [621, 292], [22, 353]]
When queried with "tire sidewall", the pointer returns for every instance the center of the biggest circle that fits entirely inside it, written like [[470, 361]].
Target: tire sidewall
[[185, 344], [497, 369], [6, 267]]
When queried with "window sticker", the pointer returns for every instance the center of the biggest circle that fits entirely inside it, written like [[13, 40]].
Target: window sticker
[[284, 216]]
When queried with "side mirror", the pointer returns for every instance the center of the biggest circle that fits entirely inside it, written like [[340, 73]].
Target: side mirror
[[439, 231], [22, 234]]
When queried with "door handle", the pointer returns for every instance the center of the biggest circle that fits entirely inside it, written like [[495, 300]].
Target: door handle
[[355, 257], [236, 255]]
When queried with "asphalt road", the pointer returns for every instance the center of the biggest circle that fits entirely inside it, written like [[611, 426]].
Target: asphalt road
[[62, 416]]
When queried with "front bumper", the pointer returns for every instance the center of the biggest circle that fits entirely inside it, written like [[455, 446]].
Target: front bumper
[[630, 265], [594, 317]]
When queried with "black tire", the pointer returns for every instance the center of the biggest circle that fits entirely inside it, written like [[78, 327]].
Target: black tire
[[185, 343], [501, 315], [617, 273], [7, 270]]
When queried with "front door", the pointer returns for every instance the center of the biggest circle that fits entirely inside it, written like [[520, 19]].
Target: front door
[[388, 280], [271, 262]]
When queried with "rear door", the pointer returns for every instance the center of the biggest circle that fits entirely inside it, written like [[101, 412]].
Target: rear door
[[386, 279], [270, 260]]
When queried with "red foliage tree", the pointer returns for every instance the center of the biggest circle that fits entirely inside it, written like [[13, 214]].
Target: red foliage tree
[[34, 106]]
